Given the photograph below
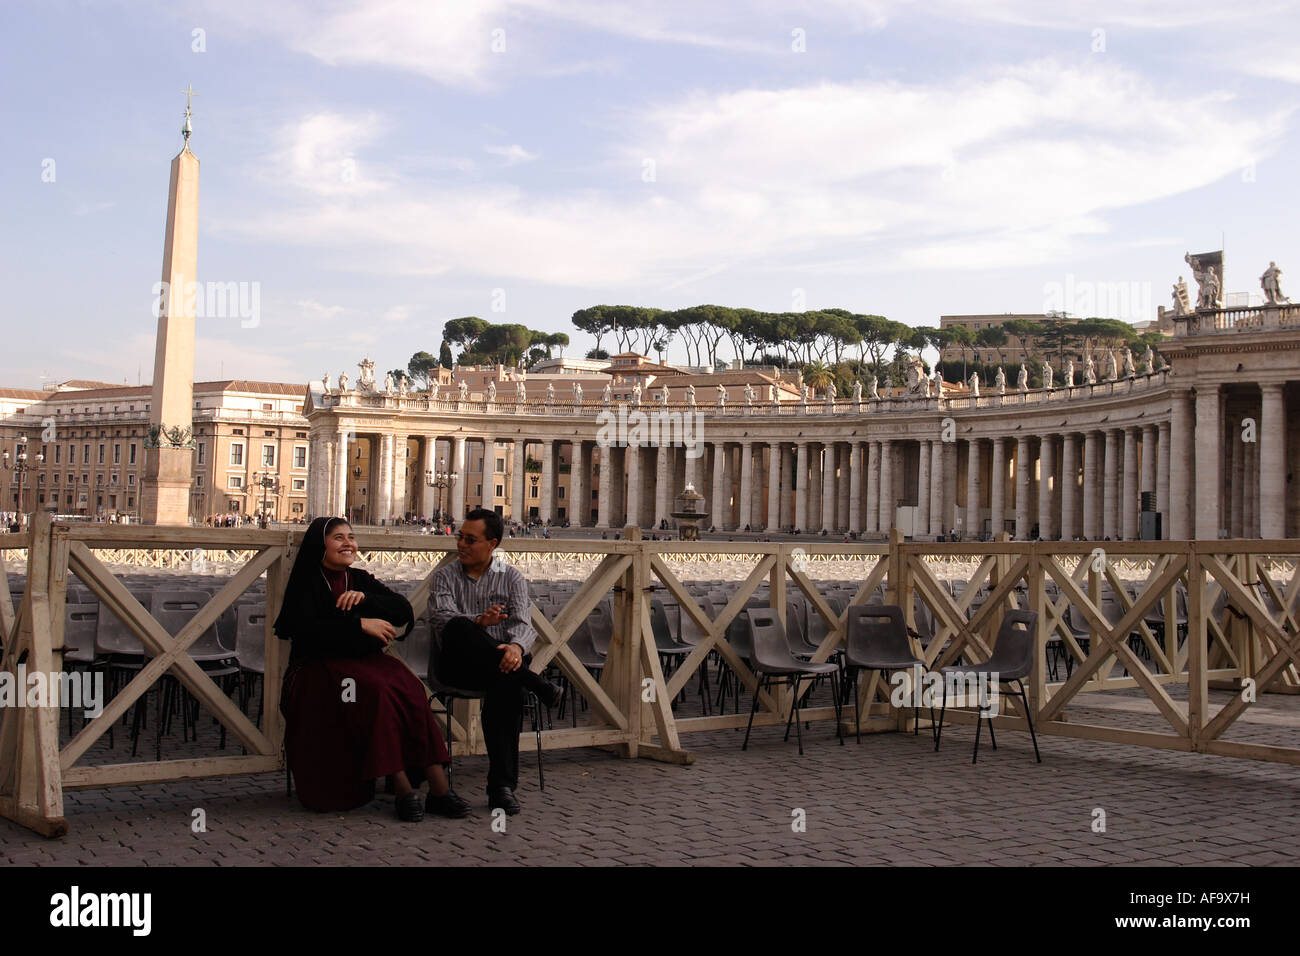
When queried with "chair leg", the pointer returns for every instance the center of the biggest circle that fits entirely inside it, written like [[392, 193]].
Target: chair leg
[[857, 711], [794, 712], [1029, 717], [943, 708], [753, 709], [839, 707], [976, 752]]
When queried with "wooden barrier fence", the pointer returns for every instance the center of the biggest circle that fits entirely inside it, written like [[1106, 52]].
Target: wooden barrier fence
[[1253, 637]]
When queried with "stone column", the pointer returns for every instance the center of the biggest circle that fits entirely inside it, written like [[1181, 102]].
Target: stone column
[[458, 490], [1162, 478], [1110, 527], [1236, 480], [1272, 435], [1091, 518], [1148, 480], [949, 497], [814, 487], [579, 498], [744, 505], [787, 479], [843, 484], [828, 486], [774, 459], [801, 492], [341, 462], [998, 488], [605, 489], [518, 501], [887, 513], [663, 486], [923, 488], [873, 487], [1069, 485], [488, 475], [1209, 454], [632, 466], [719, 505], [1182, 477], [691, 465], [972, 522], [1250, 492], [1023, 466], [546, 503], [1046, 474], [937, 485]]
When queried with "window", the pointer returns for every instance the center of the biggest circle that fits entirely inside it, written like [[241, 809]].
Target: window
[[237, 453], [130, 479], [501, 466], [202, 446], [101, 453], [296, 507], [131, 458], [130, 502], [237, 431], [300, 484], [268, 434], [300, 456], [58, 450], [117, 454], [532, 492], [501, 491], [560, 493], [235, 481], [198, 481], [268, 456]]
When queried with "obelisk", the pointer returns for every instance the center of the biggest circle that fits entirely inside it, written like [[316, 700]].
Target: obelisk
[[165, 494]]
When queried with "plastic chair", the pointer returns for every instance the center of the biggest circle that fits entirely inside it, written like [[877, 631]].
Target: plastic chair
[[877, 641], [250, 650], [1011, 662], [771, 659]]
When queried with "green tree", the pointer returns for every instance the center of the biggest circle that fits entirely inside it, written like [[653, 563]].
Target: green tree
[[444, 355], [420, 369], [993, 337], [464, 331]]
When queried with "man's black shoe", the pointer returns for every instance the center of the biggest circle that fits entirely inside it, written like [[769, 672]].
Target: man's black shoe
[[549, 694], [448, 805], [504, 798], [409, 809]]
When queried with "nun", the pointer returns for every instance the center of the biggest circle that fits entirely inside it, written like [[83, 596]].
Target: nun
[[352, 712]]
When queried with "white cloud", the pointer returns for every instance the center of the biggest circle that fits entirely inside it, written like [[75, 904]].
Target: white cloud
[[512, 155], [1013, 166]]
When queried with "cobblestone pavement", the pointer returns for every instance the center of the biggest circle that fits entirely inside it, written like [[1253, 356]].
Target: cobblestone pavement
[[889, 800]]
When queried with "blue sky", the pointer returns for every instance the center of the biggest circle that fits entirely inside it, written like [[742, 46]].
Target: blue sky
[[378, 168]]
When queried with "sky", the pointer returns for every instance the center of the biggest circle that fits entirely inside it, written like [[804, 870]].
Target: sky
[[370, 170]]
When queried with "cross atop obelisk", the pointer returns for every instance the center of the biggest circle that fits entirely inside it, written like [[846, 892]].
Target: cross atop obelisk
[[187, 129], [165, 491]]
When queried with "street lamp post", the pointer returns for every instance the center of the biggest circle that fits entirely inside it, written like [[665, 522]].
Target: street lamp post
[[443, 480], [20, 466], [269, 483]]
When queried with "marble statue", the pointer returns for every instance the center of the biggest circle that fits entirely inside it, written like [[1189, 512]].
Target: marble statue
[[492, 391], [325, 381], [857, 391], [663, 395], [1112, 366], [1022, 378], [803, 393], [1047, 375], [366, 382], [690, 395], [1069, 373], [1182, 300], [463, 389], [749, 394], [550, 393], [1000, 381], [388, 383], [608, 394], [1209, 284], [915, 378], [401, 387], [722, 396], [974, 384], [577, 393], [433, 391], [1129, 368], [1270, 282], [1161, 364], [874, 388], [1148, 361], [1089, 371], [636, 395], [343, 381], [938, 383], [830, 396]]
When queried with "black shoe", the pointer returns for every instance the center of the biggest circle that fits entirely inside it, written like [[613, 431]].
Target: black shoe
[[549, 694], [409, 809], [503, 798], [448, 805]]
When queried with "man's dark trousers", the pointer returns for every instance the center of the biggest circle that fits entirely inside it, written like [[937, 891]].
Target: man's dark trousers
[[471, 659]]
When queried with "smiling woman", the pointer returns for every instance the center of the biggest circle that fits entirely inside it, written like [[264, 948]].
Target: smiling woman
[[352, 712]]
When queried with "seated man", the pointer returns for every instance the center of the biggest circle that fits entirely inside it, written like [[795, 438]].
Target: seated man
[[481, 611]]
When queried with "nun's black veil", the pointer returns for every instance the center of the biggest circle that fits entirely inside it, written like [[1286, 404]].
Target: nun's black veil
[[305, 575]]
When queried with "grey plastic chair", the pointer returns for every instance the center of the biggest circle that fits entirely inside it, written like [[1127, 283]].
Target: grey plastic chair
[[772, 660], [250, 651], [1012, 661], [877, 641]]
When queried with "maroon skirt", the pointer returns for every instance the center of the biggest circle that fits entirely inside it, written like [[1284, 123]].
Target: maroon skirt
[[339, 738]]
